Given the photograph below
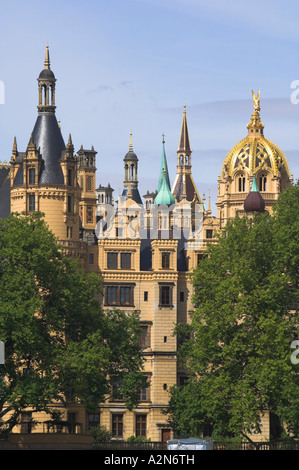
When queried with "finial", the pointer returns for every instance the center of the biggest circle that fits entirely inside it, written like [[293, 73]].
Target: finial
[[47, 58], [131, 143], [185, 107], [256, 101], [14, 147], [163, 138]]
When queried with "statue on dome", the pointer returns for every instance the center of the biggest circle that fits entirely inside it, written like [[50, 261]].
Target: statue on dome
[[256, 101]]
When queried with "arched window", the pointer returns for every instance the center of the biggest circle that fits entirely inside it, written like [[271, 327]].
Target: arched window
[[263, 182], [242, 183]]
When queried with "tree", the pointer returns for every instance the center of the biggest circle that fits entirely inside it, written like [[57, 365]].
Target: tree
[[237, 346], [59, 345]]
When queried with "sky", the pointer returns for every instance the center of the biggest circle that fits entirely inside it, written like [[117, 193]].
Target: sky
[[131, 65]]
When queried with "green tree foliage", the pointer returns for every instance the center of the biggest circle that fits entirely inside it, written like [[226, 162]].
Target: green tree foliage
[[59, 345], [237, 348]]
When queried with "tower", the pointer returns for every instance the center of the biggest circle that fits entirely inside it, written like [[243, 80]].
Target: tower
[[184, 187], [44, 177], [86, 161], [131, 175], [254, 157]]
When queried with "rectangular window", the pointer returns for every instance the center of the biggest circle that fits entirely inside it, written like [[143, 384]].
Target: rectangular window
[[31, 202], [111, 295], [144, 339], [26, 422], [165, 296], [126, 295], [69, 204], [165, 260], [125, 260], [88, 183], [112, 260], [31, 175], [117, 425], [140, 425], [209, 234], [120, 295], [145, 294], [93, 419], [69, 178], [91, 258], [182, 296]]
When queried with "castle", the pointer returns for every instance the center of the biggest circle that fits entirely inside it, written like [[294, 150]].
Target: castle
[[143, 249]]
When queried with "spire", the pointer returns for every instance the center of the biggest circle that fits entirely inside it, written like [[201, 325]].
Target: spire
[[184, 143], [255, 126], [164, 196], [163, 167], [47, 59], [131, 143]]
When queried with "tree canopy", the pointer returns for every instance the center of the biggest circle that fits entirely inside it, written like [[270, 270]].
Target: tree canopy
[[237, 348], [59, 345]]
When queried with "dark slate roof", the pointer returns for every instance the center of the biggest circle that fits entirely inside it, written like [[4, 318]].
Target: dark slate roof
[[135, 195], [50, 144], [47, 74], [179, 188], [4, 193], [130, 156]]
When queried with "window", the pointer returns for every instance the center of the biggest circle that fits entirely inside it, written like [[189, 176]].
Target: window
[[117, 425], [165, 296], [89, 215], [31, 202], [242, 184], [125, 261], [140, 425], [69, 204], [69, 177], [120, 295], [144, 338], [88, 183], [165, 260], [209, 234], [91, 258], [182, 296], [111, 295], [200, 257], [263, 183], [26, 422], [112, 260], [93, 419], [126, 296], [31, 174], [145, 296]]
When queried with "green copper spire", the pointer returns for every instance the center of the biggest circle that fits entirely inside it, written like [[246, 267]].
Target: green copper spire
[[254, 187], [164, 196], [163, 167]]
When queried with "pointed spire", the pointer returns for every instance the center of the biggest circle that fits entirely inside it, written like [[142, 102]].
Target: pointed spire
[[14, 147], [131, 143], [47, 58], [164, 196], [31, 144], [163, 166], [184, 143]]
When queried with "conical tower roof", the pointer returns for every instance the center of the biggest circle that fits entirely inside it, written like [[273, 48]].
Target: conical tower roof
[[164, 195], [164, 166]]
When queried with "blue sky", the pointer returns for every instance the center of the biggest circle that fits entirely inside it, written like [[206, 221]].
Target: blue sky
[[123, 65]]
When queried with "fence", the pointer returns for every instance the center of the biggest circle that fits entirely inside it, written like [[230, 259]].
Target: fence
[[273, 445]]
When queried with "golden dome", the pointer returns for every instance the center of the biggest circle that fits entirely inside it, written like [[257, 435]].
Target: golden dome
[[255, 152]]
